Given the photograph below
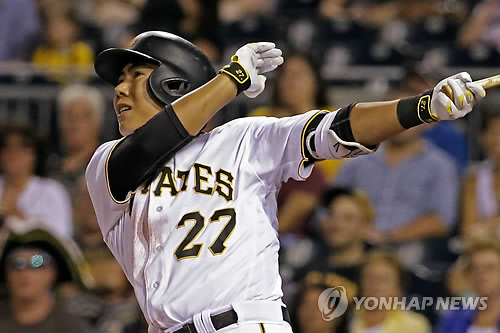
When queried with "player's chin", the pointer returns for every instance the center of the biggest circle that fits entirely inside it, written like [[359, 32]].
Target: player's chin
[[124, 129]]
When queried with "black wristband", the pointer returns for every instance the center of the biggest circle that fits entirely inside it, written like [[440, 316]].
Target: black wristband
[[237, 73], [416, 110]]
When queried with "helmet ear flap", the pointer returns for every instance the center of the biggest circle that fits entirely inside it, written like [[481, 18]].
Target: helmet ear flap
[[176, 86], [165, 87]]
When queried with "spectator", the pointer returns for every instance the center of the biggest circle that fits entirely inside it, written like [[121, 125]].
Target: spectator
[[87, 234], [32, 263], [62, 53], [481, 192], [111, 305], [483, 25], [25, 196], [382, 275], [334, 9], [19, 26], [482, 263], [291, 96], [412, 205], [337, 257], [344, 215], [297, 200], [81, 112], [194, 20], [309, 318]]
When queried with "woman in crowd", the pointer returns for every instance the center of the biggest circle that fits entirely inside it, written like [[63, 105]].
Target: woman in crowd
[[26, 197], [382, 276], [482, 265], [291, 97]]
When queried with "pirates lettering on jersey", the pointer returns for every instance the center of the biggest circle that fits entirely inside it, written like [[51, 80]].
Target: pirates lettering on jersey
[[166, 180], [201, 171], [204, 182]]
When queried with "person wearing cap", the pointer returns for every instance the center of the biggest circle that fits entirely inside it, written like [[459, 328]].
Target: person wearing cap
[[32, 264]]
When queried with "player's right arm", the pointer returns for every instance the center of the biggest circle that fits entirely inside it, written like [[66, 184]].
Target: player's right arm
[[368, 124], [135, 158]]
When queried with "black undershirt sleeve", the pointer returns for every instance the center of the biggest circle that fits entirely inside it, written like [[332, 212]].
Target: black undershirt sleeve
[[138, 156]]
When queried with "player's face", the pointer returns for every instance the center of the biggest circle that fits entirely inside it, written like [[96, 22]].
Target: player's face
[[132, 103]]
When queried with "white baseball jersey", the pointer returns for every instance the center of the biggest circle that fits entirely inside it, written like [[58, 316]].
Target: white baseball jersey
[[203, 234]]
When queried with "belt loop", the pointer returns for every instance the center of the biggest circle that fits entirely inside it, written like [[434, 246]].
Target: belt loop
[[198, 324], [207, 321]]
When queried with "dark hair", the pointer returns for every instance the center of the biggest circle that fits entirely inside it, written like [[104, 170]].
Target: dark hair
[[30, 139], [333, 194], [320, 99], [361, 199]]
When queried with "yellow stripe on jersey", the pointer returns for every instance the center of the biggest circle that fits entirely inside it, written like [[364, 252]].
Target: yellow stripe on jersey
[[303, 141]]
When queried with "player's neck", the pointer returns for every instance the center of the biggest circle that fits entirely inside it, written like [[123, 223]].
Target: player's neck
[[347, 256]]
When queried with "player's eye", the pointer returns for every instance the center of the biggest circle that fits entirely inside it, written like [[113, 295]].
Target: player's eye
[[137, 74]]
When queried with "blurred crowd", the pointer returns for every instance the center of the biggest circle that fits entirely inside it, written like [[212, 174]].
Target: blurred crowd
[[421, 217]]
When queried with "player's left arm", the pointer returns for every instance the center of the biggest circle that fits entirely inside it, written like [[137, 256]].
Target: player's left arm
[[357, 129]]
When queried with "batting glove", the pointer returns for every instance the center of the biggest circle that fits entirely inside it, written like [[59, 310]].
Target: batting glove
[[465, 94], [249, 63]]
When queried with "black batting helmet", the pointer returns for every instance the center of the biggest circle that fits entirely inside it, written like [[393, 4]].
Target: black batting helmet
[[182, 66]]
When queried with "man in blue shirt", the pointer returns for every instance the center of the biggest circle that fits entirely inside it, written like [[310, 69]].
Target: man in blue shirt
[[411, 203]]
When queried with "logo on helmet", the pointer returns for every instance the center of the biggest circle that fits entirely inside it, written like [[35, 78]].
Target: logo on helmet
[[132, 42]]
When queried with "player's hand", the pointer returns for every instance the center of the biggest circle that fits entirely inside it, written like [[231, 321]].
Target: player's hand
[[257, 59], [465, 95]]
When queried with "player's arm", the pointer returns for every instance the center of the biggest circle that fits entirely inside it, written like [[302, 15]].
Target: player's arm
[[135, 158], [356, 129], [242, 74]]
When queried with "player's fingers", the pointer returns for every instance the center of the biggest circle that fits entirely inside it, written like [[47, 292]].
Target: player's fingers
[[463, 76], [266, 69], [450, 107], [262, 46], [273, 53], [269, 62], [477, 90], [459, 91]]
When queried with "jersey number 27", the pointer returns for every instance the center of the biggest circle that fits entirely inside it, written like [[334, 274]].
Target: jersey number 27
[[188, 250]]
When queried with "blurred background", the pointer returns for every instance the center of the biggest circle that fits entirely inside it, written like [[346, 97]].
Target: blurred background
[[378, 225]]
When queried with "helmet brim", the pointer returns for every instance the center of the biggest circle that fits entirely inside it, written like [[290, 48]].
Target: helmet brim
[[109, 63]]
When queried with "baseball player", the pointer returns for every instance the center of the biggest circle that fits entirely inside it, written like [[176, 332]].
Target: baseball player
[[190, 216]]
